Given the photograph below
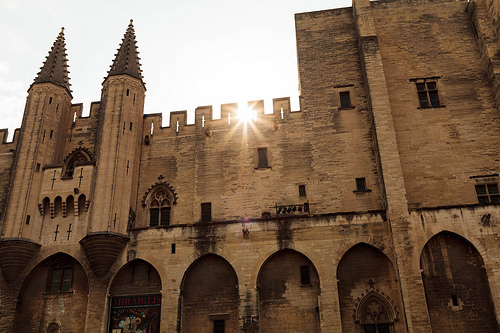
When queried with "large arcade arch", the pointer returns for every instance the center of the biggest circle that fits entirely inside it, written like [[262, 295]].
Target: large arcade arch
[[289, 287], [209, 297], [456, 286], [362, 271], [54, 293], [135, 303]]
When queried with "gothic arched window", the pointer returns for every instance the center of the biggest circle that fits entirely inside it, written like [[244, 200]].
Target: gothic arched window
[[78, 157], [159, 208], [375, 315]]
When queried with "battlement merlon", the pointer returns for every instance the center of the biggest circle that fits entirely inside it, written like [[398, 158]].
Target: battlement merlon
[[4, 134], [77, 110]]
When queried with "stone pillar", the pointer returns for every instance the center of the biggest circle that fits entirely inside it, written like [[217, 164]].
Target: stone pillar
[[413, 296]]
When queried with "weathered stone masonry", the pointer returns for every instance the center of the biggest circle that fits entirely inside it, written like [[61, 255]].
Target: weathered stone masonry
[[373, 208]]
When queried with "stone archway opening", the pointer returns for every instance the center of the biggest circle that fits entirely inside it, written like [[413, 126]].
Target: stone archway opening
[[54, 293], [456, 286], [210, 297], [135, 303], [289, 287]]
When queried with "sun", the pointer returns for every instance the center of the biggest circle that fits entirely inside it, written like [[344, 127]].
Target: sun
[[246, 113]]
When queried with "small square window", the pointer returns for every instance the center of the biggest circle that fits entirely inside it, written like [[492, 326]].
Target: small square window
[[345, 99], [206, 212], [360, 184], [305, 276], [487, 193], [427, 93], [61, 278], [262, 158], [302, 190], [219, 326]]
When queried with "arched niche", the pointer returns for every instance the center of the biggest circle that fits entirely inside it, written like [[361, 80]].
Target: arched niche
[[362, 269], [55, 292], [135, 302], [210, 297], [289, 286], [80, 156], [456, 286]]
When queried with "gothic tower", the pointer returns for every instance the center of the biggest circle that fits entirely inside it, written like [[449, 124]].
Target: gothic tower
[[117, 155]]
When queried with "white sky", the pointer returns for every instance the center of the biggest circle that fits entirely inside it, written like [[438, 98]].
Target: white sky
[[194, 52]]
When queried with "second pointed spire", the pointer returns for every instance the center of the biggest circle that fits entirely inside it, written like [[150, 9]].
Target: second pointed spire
[[127, 58], [55, 68]]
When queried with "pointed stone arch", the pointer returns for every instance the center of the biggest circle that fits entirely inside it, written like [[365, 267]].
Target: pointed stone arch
[[209, 296], [79, 156], [375, 313], [56, 290], [456, 286], [136, 297], [362, 269], [289, 286]]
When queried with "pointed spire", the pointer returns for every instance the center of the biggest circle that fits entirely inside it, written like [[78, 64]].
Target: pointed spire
[[55, 68], [127, 58]]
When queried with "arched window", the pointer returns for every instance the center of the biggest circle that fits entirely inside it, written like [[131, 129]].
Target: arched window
[[70, 206], [57, 206], [78, 157], [46, 206], [375, 314], [81, 204], [159, 208]]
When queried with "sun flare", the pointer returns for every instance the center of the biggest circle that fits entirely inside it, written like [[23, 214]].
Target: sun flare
[[246, 113]]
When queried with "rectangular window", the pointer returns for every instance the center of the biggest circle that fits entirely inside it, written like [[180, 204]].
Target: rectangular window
[[345, 99], [487, 193], [51, 132], [305, 277], [172, 249], [219, 326], [360, 184], [28, 217], [154, 216], [165, 216], [130, 126], [302, 190], [428, 94], [262, 158], [37, 167], [206, 212], [62, 278]]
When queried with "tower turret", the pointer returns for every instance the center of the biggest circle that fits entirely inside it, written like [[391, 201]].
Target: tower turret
[[46, 121], [118, 153]]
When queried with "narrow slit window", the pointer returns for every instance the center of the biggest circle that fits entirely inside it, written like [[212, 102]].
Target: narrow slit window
[[263, 163], [28, 218], [206, 212], [37, 167], [130, 126], [172, 250], [51, 133], [128, 92], [302, 190], [454, 300], [50, 100], [305, 276]]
